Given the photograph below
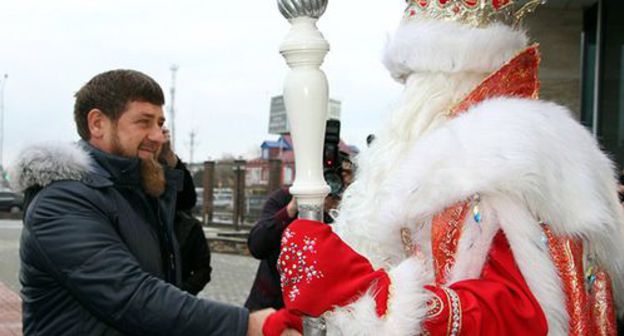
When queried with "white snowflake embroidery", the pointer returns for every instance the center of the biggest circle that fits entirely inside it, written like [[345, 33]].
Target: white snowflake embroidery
[[286, 236], [297, 264], [294, 292]]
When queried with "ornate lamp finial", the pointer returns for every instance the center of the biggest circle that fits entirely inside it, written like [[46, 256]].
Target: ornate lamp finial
[[296, 8]]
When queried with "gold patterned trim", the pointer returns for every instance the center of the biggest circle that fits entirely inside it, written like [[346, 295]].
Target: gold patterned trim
[[455, 313], [435, 306]]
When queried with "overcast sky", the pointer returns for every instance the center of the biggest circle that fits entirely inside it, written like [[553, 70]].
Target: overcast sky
[[228, 56]]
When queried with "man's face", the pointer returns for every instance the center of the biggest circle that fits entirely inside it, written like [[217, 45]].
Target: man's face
[[137, 133]]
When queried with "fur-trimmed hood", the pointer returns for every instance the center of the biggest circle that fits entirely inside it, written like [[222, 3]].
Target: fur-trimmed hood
[[42, 164]]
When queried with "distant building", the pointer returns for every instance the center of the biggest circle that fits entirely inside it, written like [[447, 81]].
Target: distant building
[[582, 45], [257, 172]]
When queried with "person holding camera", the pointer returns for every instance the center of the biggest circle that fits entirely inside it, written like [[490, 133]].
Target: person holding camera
[[264, 239]]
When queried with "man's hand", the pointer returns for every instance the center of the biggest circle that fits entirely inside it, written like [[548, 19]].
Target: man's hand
[[166, 154], [256, 321], [291, 208], [291, 332]]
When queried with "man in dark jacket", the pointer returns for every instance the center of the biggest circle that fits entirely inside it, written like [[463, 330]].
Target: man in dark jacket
[[97, 252]]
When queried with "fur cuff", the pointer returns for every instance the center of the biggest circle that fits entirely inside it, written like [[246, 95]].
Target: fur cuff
[[407, 306], [440, 46], [45, 163]]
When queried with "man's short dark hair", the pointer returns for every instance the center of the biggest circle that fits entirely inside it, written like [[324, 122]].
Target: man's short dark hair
[[110, 92]]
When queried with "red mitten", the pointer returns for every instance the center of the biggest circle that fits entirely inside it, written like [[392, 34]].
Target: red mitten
[[281, 320], [319, 271]]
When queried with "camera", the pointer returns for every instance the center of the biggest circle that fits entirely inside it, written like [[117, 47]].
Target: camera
[[332, 158]]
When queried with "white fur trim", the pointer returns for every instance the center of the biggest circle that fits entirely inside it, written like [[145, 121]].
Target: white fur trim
[[532, 151], [441, 46], [45, 163], [528, 159], [360, 219], [532, 255], [407, 306], [474, 244]]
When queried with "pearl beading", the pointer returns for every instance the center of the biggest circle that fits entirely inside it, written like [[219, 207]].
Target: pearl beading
[[455, 315]]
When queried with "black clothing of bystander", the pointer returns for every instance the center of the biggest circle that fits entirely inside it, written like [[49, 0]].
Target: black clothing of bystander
[[194, 250], [264, 244], [194, 253], [187, 197], [621, 193]]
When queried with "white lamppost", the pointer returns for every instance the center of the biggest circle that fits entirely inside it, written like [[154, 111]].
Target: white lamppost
[[306, 101], [4, 79]]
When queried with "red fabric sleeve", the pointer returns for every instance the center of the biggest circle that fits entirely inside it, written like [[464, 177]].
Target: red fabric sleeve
[[499, 303], [281, 320]]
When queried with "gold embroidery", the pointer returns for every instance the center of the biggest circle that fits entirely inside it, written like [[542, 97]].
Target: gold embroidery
[[517, 78], [602, 306], [567, 255], [435, 306], [445, 232], [455, 312]]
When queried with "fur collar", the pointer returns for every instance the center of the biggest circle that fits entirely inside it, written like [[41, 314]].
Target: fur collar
[[450, 47], [42, 164]]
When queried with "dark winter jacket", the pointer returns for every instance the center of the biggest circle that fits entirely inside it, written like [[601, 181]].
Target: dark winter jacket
[[264, 244], [98, 255], [187, 197], [194, 252]]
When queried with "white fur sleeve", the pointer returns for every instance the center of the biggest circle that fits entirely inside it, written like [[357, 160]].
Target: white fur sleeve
[[407, 306]]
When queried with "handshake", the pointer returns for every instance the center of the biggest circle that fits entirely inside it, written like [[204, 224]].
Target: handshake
[[323, 276], [319, 272]]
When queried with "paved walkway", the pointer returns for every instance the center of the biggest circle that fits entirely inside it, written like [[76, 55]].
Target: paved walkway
[[10, 312]]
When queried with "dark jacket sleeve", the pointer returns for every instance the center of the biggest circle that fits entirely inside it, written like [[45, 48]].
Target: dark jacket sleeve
[[264, 237], [76, 241], [187, 197], [199, 263]]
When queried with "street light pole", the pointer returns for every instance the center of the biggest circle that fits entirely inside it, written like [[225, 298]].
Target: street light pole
[[174, 69], [4, 79]]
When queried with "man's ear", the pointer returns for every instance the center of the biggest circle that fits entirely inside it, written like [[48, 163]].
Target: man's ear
[[98, 123]]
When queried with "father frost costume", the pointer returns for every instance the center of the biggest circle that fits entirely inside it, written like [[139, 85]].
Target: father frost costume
[[478, 209]]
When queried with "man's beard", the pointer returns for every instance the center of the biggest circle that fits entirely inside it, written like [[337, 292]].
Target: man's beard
[[152, 172], [153, 177]]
